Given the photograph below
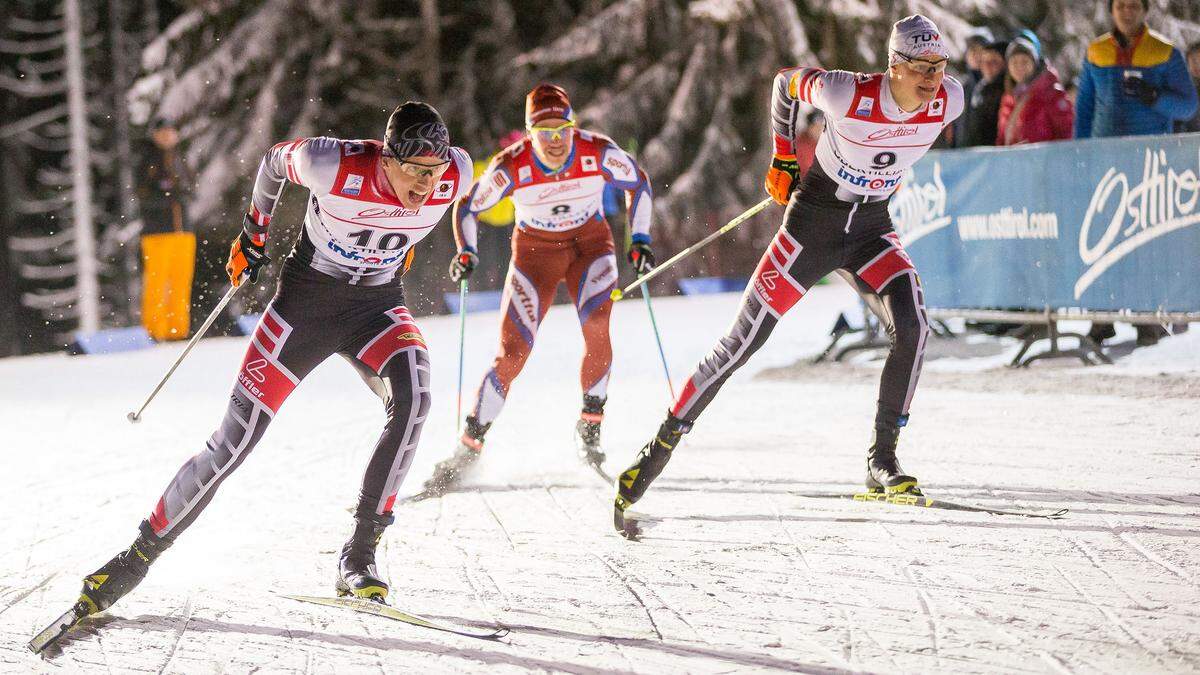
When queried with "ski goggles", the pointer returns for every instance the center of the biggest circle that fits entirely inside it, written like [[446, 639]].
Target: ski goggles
[[548, 134], [921, 66], [420, 171]]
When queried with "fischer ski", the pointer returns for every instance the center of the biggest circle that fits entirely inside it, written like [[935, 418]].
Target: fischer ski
[[631, 524], [388, 612], [909, 499], [52, 633]]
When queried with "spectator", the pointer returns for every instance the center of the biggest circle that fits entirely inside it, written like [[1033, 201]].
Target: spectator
[[1193, 66], [1034, 107], [806, 142], [1134, 82], [168, 245], [981, 117], [978, 39]]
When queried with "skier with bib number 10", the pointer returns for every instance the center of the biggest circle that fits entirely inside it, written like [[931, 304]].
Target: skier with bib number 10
[[339, 292]]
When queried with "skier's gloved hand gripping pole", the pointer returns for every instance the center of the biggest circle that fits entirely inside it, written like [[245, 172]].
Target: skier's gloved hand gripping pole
[[246, 258], [619, 293]]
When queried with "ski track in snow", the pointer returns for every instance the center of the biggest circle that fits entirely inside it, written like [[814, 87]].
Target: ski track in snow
[[738, 569]]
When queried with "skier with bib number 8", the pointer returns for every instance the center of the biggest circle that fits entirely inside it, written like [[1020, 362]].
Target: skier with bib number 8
[[556, 176]]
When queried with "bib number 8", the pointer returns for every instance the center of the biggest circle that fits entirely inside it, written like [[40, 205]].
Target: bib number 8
[[883, 160]]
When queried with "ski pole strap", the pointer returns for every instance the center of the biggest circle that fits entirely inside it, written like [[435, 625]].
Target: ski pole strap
[[619, 293], [135, 416]]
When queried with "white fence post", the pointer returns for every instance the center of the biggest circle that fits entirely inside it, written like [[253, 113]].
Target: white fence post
[[87, 280]]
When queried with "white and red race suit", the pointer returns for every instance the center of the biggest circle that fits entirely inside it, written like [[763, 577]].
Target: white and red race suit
[[561, 235], [339, 292], [837, 220], [355, 228], [869, 142]]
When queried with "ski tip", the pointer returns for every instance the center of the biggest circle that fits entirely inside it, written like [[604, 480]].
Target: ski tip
[[52, 633]]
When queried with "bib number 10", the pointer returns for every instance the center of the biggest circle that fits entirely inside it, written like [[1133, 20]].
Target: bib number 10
[[390, 241]]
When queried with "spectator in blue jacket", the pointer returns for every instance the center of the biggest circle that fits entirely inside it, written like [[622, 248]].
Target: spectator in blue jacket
[[1134, 82]]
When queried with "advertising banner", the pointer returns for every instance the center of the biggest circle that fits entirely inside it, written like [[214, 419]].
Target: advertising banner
[[1101, 224]]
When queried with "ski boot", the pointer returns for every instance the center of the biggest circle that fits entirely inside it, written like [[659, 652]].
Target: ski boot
[[448, 472], [883, 469], [634, 481], [357, 575], [587, 434], [126, 570]]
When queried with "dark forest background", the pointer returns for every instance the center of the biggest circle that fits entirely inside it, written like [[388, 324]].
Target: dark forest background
[[683, 85]]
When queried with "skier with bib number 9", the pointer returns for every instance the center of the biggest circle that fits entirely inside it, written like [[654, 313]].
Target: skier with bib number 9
[[339, 292], [556, 176], [877, 126]]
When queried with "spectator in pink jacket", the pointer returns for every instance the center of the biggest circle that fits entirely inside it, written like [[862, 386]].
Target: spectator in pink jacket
[[1035, 106]]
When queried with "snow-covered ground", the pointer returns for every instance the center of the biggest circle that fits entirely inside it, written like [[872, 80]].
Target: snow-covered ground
[[745, 570]]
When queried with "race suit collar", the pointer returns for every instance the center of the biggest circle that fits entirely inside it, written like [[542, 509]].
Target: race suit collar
[[552, 172], [888, 105]]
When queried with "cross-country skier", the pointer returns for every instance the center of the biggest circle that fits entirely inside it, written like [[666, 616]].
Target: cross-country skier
[[339, 292], [877, 126], [556, 176]]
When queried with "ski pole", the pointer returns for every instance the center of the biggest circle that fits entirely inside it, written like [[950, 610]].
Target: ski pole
[[462, 339], [619, 293], [137, 416], [658, 339]]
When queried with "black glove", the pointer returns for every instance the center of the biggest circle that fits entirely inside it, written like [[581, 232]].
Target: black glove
[[642, 257], [1136, 87], [462, 265], [246, 258]]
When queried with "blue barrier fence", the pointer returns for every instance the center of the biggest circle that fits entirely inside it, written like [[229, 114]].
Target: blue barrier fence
[[1104, 224]]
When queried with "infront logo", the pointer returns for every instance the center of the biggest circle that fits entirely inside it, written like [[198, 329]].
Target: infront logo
[[865, 182]]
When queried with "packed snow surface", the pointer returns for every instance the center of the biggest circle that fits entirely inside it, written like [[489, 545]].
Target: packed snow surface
[[749, 566]]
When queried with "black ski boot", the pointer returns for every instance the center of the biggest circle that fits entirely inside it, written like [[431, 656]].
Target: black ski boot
[[632, 483], [883, 469], [357, 575], [587, 432], [448, 472], [126, 570]]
